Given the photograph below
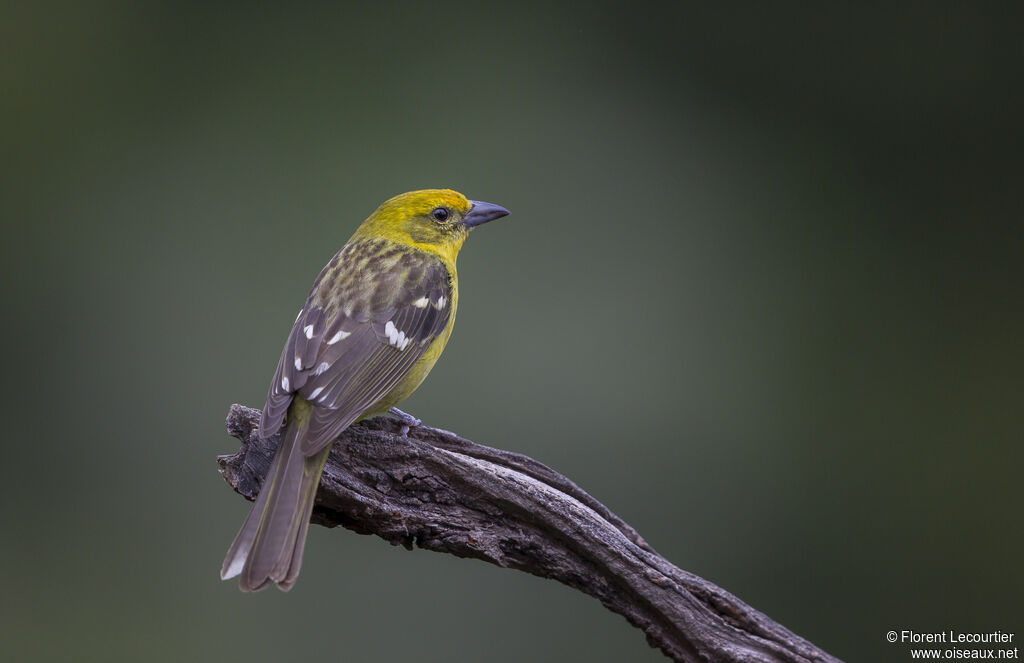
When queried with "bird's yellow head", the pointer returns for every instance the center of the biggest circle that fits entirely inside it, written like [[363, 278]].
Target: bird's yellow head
[[433, 220]]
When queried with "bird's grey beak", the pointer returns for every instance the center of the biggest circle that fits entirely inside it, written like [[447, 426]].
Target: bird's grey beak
[[482, 213]]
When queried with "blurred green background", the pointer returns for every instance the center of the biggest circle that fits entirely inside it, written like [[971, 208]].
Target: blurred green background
[[760, 294]]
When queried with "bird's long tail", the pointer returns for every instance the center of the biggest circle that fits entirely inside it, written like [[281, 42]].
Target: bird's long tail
[[269, 546]]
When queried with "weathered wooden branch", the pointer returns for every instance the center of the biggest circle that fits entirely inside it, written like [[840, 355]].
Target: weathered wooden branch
[[441, 492]]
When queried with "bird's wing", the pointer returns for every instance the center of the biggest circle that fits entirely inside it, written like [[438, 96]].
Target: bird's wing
[[365, 324]]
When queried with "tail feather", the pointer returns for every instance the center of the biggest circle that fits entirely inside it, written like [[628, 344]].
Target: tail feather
[[275, 537], [314, 465], [269, 546]]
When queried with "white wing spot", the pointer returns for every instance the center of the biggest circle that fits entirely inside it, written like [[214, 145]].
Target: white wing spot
[[308, 330], [321, 368], [338, 337], [298, 363], [396, 337], [421, 302], [285, 385], [315, 393], [440, 303]]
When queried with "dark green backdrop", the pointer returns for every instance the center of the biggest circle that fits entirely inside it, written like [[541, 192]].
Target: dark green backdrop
[[760, 294]]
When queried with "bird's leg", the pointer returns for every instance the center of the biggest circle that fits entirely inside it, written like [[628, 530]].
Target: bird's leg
[[408, 421]]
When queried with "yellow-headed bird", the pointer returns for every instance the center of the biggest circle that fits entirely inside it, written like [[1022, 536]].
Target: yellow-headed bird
[[374, 323]]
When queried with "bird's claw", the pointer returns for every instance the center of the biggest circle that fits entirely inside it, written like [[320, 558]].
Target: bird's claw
[[407, 420]]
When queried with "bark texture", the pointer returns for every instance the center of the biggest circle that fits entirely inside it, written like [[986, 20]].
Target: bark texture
[[441, 492]]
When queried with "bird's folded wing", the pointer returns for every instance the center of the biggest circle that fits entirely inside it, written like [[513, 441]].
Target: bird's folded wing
[[344, 356]]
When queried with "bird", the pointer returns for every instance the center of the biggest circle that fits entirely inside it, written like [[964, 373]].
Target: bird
[[376, 320]]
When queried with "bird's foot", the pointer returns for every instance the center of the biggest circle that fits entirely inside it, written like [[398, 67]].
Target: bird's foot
[[407, 420]]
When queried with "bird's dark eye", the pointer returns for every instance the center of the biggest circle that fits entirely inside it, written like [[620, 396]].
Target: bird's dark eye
[[440, 214]]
